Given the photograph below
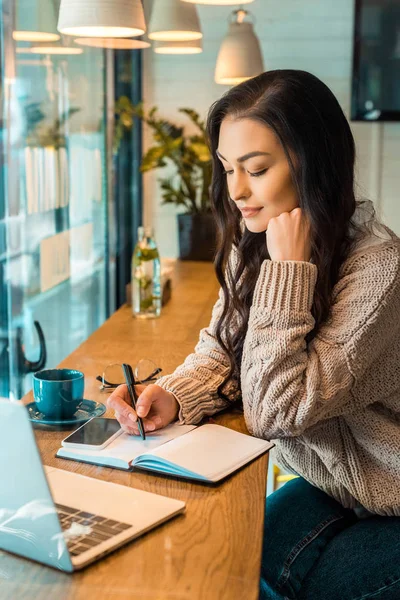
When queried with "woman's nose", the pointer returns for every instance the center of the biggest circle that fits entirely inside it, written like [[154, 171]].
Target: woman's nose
[[238, 189]]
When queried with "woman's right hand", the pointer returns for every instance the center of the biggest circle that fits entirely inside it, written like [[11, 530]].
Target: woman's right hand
[[156, 407]]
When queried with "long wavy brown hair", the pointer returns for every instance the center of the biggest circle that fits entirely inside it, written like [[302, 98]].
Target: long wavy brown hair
[[311, 127]]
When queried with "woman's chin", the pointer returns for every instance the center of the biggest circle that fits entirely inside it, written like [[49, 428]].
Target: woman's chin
[[256, 227]]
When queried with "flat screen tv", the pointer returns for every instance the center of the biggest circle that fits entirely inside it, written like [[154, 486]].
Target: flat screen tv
[[376, 61]]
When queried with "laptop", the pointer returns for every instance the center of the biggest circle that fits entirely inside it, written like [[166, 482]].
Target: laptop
[[63, 519]]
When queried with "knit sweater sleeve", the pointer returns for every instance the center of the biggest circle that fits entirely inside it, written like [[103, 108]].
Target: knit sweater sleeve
[[195, 382], [289, 385]]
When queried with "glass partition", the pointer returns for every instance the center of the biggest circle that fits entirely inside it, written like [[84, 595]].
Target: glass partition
[[54, 265]]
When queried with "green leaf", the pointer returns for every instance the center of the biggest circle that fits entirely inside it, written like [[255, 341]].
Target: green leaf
[[201, 151], [152, 111], [194, 117], [188, 154], [123, 104], [153, 158]]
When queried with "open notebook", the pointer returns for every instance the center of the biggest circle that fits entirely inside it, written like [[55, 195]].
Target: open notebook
[[207, 453]]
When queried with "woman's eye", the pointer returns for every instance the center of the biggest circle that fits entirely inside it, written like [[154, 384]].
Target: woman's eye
[[258, 174]]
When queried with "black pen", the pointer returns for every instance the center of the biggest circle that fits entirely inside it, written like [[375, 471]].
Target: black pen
[[130, 382]]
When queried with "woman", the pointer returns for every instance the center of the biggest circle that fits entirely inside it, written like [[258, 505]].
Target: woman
[[305, 333]]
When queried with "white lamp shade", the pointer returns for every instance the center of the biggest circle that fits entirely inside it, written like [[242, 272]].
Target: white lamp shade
[[219, 2], [56, 49], [113, 43], [23, 50], [185, 47], [35, 22], [101, 18], [240, 55], [174, 21]]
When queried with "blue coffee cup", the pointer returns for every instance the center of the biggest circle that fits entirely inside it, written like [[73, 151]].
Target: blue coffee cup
[[58, 393]]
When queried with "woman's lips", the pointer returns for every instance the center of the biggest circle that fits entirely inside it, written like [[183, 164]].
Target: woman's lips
[[250, 212]]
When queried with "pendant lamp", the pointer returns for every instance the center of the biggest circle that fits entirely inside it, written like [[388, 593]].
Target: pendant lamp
[[240, 55], [23, 50], [55, 49], [218, 2], [185, 47], [174, 21], [34, 23], [113, 43], [101, 18]]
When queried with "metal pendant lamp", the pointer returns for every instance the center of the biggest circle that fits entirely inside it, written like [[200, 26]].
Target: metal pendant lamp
[[218, 2], [185, 47], [33, 23], [174, 21], [101, 18], [240, 55]]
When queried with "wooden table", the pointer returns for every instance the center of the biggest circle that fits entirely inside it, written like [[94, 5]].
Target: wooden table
[[211, 552]]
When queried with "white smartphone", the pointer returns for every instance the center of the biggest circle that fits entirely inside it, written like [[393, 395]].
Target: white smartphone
[[95, 434]]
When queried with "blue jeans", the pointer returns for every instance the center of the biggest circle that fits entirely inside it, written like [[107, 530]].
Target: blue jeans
[[315, 549]]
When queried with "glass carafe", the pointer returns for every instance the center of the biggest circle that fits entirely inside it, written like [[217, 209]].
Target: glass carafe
[[146, 276]]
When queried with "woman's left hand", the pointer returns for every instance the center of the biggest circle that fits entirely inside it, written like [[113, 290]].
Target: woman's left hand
[[288, 236]]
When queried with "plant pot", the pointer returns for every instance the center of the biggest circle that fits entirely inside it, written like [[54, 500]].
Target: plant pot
[[197, 237]]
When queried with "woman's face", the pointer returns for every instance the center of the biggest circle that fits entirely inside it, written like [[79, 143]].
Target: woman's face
[[257, 172]]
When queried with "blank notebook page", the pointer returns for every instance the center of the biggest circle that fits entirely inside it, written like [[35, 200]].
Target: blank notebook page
[[212, 451]]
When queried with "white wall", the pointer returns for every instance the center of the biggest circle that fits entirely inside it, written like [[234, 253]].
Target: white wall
[[314, 35]]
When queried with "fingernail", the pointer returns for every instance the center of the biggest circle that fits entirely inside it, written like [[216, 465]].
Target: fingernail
[[151, 427], [140, 411], [132, 417]]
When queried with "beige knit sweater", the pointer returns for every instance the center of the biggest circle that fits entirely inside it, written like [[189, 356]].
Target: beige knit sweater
[[332, 407]]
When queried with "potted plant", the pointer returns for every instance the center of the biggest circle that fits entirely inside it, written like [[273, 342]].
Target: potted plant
[[188, 187]]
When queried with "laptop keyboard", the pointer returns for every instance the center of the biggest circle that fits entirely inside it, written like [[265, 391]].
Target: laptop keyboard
[[102, 529]]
